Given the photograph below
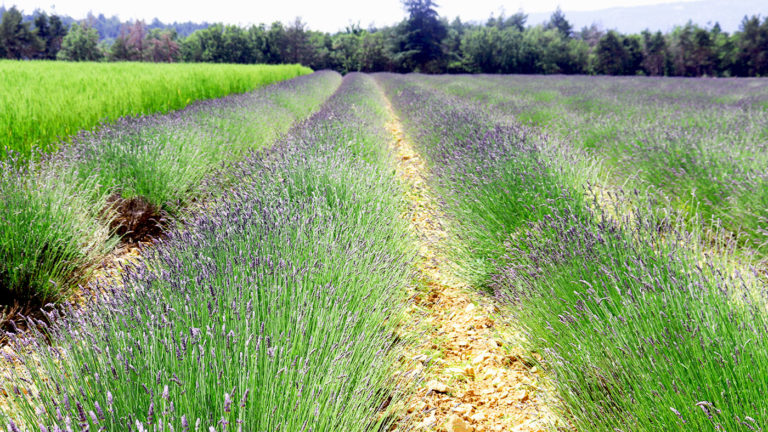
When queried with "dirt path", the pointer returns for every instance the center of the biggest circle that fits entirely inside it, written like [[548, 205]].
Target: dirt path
[[467, 379]]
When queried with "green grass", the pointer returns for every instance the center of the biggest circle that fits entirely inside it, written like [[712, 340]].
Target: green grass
[[44, 102]]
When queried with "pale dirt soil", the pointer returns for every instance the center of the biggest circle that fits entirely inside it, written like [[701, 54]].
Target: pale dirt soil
[[465, 375]]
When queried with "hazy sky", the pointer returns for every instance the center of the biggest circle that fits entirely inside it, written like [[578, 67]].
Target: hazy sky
[[326, 15]]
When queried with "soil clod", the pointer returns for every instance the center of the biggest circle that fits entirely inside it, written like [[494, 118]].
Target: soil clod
[[135, 219]]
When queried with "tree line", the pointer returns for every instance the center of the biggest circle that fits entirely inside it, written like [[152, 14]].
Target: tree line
[[423, 42]]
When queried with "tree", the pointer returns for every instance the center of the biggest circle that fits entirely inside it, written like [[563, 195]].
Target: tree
[[235, 46], [558, 22], [423, 35], [703, 52], [320, 48], [682, 49], [136, 43], [725, 52], [609, 55], [225, 44], [192, 48], [618, 55], [56, 32], [591, 35], [516, 21], [17, 40], [42, 30], [207, 45], [257, 43], [296, 43], [119, 50], [374, 53], [632, 62], [346, 52], [276, 43], [163, 46], [752, 43], [655, 53], [554, 52], [80, 44], [452, 52], [483, 49]]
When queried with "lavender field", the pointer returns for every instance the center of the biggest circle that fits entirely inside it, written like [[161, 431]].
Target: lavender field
[[620, 225], [633, 261]]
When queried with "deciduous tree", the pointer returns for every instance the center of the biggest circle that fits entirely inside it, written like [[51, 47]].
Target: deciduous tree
[[80, 44], [137, 43], [163, 46]]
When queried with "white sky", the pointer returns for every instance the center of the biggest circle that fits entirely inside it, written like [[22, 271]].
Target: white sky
[[326, 15]]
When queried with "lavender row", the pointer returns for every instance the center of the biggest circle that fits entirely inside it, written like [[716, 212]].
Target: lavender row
[[273, 311], [640, 328]]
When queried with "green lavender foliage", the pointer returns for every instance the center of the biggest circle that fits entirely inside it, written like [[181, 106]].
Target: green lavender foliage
[[50, 233]]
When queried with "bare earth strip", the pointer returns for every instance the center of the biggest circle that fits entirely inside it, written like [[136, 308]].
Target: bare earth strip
[[470, 381]]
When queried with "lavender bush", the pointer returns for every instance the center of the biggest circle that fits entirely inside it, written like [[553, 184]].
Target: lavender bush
[[49, 231], [641, 331], [165, 159], [273, 311]]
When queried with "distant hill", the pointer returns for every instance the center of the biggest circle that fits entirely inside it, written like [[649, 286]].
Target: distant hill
[[109, 27], [664, 16]]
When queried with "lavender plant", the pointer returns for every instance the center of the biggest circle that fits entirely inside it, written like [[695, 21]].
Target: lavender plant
[[50, 231], [641, 331], [273, 311], [55, 221]]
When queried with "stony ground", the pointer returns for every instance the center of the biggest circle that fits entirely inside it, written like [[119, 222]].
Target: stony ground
[[467, 377]]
